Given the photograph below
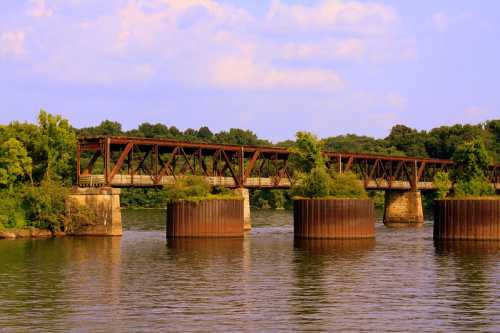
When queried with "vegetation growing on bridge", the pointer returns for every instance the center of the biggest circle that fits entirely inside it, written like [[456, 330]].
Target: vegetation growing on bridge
[[314, 180], [195, 189], [469, 179]]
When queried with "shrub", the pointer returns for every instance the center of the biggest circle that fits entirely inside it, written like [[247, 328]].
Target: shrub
[[472, 161], [44, 205], [314, 181], [11, 213], [305, 154], [476, 187], [314, 184], [346, 185], [194, 189], [442, 183]]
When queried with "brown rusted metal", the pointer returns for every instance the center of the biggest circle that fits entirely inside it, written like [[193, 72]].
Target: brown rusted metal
[[467, 219], [207, 218], [240, 166], [334, 218]]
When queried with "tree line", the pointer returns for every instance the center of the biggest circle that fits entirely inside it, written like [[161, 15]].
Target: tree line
[[440, 142]]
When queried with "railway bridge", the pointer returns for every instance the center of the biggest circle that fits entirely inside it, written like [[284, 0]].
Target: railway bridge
[[118, 162]]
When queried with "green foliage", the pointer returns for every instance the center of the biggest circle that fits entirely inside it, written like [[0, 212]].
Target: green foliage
[[306, 153], [346, 185], [14, 162], [142, 197], [492, 129], [44, 205], [195, 189], [33, 206], [313, 184], [443, 184], [265, 198], [58, 145], [378, 198], [238, 136], [360, 144], [472, 160], [313, 180], [442, 142], [107, 127], [408, 140], [12, 214], [470, 179], [476, 187]]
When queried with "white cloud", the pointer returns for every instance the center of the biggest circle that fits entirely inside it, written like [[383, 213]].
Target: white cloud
[[237, 72], [12, 43], [344, 49], [396, 101], [440, 21], [210, 43], [38, 8], [332, 15]]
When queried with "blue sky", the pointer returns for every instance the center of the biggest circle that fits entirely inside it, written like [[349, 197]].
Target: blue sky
[[275, 66]]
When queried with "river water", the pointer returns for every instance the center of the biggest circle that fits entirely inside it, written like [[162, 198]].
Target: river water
[[401, 281]]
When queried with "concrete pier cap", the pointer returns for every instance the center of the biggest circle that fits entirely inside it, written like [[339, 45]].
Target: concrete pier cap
[[93, 212]]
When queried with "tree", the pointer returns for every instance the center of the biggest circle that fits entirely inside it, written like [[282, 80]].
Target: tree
[[106, 127], [313, 179], [57, 145], [306, 154], [360, 144], [472, 161], [408, 140], [205, 134], [238, 136], [443, 141], [492, 128], [442, 183], [14, 162]]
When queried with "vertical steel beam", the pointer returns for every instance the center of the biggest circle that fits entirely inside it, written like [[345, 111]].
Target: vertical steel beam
[[78, 165], [107, 160]]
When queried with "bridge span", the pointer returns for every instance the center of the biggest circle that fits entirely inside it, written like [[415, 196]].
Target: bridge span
[[112, 161]]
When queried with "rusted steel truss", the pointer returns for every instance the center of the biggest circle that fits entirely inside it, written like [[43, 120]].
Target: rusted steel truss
[[142, 162]]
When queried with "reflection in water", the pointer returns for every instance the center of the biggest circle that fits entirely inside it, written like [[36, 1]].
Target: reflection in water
[[470, 266], [314, 291], [39, 276], [265, 281]]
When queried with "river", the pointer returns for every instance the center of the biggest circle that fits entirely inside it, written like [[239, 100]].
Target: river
[[401, 281]]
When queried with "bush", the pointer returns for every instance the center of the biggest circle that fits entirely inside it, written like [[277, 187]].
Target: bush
[[443, 184], [44, 205], [346, 185], [314, 184], [142, 197], [314, 181], [40, 206], [11, 213], [472, 161], [476, 187], [195, 189], [306, 153]]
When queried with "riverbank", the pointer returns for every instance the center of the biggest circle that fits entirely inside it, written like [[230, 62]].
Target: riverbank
[[29, 233]]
